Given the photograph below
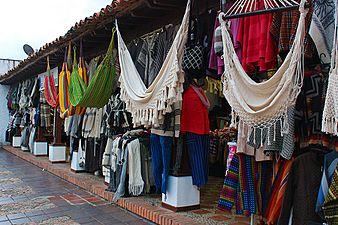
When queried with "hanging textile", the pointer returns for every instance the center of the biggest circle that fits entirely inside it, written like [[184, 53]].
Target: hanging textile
[[261, 105], [322, 28], [300, 192], [66, 109], [277, 192], [49, 88], [330, 113], [101, 85], [78, 81], [330, 207], [149, 105]]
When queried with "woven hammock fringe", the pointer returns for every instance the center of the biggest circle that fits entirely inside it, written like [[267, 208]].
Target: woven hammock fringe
[[154, 116], [330, 125], [135, 190]]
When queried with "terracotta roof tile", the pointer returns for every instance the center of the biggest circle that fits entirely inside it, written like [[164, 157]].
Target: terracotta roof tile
[[114, 7]]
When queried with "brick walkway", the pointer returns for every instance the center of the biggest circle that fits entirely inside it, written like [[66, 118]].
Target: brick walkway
[[145, 206], [29, 195]]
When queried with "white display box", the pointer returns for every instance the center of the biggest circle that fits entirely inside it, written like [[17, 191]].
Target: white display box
[[181, 194], [40, 148], [24, 149], [16, 142], [76, 160], [57, 154], [107, 179]]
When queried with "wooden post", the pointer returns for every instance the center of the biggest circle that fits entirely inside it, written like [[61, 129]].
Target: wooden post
[[57, 129], [39, 135]]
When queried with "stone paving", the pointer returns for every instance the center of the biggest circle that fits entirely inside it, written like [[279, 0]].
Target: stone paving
[[30, 195], [148, 206]]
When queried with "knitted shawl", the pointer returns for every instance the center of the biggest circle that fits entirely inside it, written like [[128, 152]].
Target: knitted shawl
[[149, 105], [261, 105], [136, 182]]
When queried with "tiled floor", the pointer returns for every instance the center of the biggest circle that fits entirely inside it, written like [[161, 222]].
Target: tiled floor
[[30, 195], [148, 207], [208, 214]]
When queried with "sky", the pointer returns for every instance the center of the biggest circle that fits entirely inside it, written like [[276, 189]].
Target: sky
[[36, 22]]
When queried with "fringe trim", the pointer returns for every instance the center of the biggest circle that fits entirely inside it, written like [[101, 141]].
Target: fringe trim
[[330, 125], [136, 189], [152, 113]]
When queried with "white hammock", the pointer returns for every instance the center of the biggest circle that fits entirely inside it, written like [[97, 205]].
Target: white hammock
[[261, 105], [330, 113], [148, 105]]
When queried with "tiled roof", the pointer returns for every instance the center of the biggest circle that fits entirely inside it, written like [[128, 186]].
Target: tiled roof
[[88, 24]]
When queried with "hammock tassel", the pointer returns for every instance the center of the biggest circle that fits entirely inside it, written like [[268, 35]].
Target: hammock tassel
[[261, 136], [248, 136], [254, 135], [269, 132], [286, 124], [151, 116], [168, 109], [146, 117], [233, 119], [172, 93], [274, 131]]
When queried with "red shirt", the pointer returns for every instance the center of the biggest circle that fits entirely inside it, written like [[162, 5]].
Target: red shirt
[[194, 117]]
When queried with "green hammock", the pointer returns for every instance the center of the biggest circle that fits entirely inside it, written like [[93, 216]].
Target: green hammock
[[100, 87]]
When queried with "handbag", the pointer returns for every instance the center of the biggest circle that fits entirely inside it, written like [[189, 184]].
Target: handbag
[[194, 56]]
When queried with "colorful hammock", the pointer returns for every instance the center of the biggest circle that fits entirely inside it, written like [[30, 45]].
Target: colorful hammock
[[79, 76], [49, 88], [100, 88], [66, 109]]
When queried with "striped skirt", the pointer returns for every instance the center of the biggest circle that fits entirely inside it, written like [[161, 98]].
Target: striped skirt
[[198, 147]]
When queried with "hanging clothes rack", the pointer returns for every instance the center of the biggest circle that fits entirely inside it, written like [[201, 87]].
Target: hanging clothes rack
[[271, 6]]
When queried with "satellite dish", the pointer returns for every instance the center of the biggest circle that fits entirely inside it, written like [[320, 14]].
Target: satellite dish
[[28, 49]]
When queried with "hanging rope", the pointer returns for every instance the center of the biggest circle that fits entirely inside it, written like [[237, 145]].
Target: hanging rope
[[49, 88], [100, 88]]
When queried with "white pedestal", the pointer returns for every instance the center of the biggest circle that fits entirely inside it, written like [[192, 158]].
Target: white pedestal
[[24, 149], [76, 159], [107, 179], [181, 194], [57, 153], [40, 148], [16, 143]]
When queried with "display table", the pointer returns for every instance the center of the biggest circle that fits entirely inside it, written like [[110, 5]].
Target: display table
[[16, 142], [57, 153], [40, 148], [181, 195]]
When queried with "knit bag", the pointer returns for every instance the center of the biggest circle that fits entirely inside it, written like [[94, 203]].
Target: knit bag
[[194, 56]]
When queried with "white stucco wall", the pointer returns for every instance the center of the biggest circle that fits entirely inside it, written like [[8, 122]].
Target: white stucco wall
[[5, 65]]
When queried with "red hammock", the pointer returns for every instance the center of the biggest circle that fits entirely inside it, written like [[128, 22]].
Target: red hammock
[[49, 88]]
